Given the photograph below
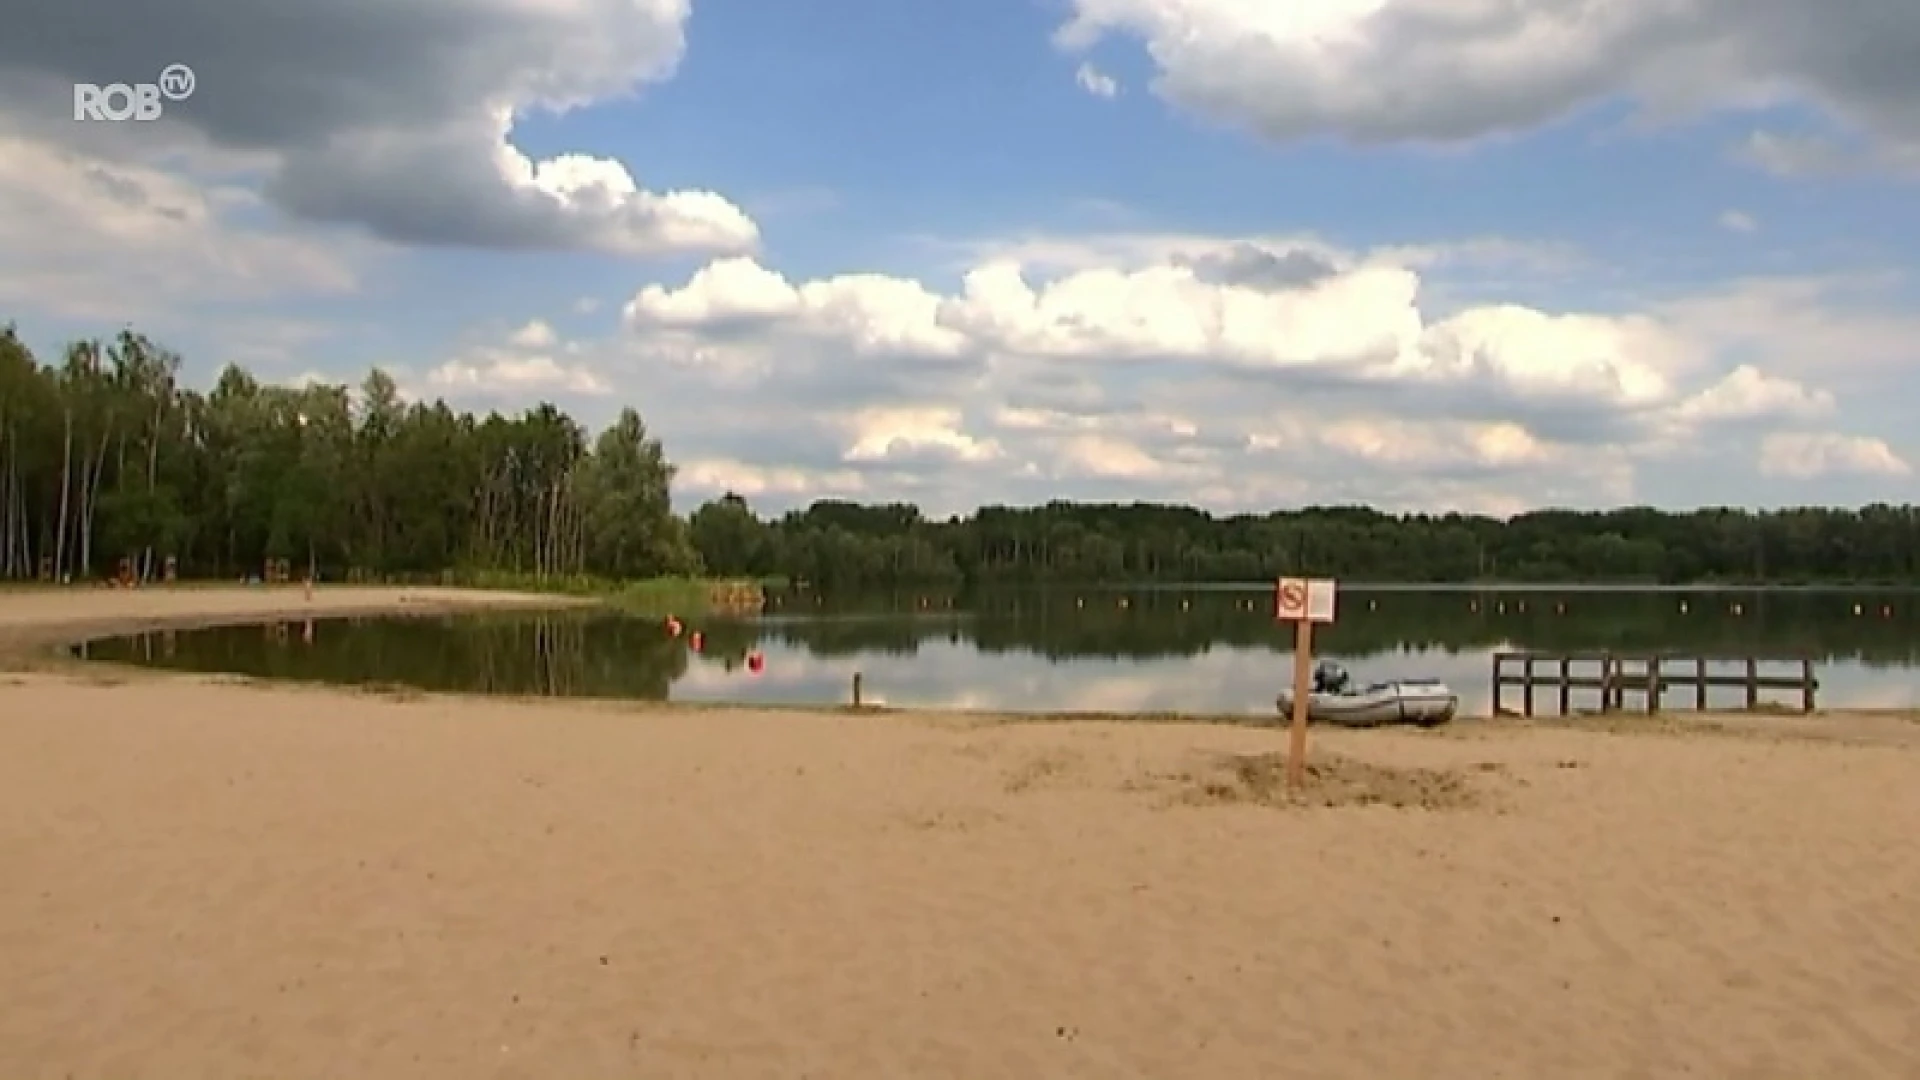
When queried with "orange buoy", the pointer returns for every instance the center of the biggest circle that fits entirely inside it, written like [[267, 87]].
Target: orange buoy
[[756, 661], [696, 641]]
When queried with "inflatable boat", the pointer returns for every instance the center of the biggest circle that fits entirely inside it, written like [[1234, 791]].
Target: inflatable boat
[[1425, 702]]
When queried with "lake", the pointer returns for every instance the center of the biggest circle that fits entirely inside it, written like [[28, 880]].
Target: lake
[[1212, 650]]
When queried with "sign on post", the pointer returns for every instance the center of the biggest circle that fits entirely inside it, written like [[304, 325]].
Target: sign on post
[[1306, 600], [1302, 602]]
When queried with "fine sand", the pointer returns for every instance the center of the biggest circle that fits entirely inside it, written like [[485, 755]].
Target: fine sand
[[206, 879]]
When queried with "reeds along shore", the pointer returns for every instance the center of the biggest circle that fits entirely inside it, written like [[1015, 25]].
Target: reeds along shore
[[736, 598]]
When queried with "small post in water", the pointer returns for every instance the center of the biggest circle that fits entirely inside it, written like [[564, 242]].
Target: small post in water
[[1302, 602], [856, 689]]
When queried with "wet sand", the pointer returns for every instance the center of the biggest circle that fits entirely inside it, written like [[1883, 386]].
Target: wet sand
[[202, 878]]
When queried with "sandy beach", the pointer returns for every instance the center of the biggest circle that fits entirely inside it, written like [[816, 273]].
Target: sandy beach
[[205, 878]]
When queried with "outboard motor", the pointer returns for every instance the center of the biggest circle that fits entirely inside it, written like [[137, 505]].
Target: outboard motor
[[1330, 678]]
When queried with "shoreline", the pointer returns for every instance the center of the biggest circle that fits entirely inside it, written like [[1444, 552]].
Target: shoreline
[[38, 619]]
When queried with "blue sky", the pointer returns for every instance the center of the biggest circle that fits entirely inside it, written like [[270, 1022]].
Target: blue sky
[[1697, 244]]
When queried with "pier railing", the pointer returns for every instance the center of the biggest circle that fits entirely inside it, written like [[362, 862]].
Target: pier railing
[[1653, 676]]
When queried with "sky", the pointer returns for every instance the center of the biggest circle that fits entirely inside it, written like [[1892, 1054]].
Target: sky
[[1475, 255]]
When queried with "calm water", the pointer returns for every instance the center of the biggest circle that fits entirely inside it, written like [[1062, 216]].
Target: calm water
[[1214, 651]]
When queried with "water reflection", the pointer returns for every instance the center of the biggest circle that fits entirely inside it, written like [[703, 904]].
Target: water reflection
[[1197, 651]]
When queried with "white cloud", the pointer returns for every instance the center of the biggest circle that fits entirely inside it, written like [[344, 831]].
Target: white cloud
[[1800, 155], [1095, 82], [515, 376], [533, 361], [395, 118], [1808, 455], [1460, 69], [714, 476], [1835, 329], [884, 434], [1746, 393], [1737, 221], [103, 240], [537, 334], [1236, 373], [872, 313]]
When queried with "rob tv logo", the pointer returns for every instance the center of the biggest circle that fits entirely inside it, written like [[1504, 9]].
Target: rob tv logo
[[120, 102]]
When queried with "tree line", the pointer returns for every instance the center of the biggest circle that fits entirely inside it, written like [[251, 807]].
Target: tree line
[[105, 456], [840, 546]]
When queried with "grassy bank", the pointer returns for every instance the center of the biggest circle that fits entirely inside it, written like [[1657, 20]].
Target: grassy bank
[[650, 596]]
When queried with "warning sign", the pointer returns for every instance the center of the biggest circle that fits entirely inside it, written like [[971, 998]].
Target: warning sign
[[1305, 600]]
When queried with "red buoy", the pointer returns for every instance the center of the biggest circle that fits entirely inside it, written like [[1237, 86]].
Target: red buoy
[[756, 662], [673, 626], [696, 640]]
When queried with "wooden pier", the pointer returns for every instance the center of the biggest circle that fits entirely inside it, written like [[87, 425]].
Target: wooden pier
[[1653, 676]]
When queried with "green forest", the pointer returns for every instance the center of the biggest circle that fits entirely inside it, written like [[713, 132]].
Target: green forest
[[105, 456]]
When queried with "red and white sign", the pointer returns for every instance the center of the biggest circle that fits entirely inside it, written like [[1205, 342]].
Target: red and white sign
[[1305, 600]]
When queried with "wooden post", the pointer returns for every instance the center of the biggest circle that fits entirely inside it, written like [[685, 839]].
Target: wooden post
[[856, 689], [1526, 686], [1653, 685], [1606, 682], [1806, 684], [1302, 602], [1499, 669], [1302, 687], [1566, 686], [1700, 687], [1753, 683]]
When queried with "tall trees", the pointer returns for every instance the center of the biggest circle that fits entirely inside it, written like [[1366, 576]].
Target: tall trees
[[628, 514], [104, 457], [732, 542]]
